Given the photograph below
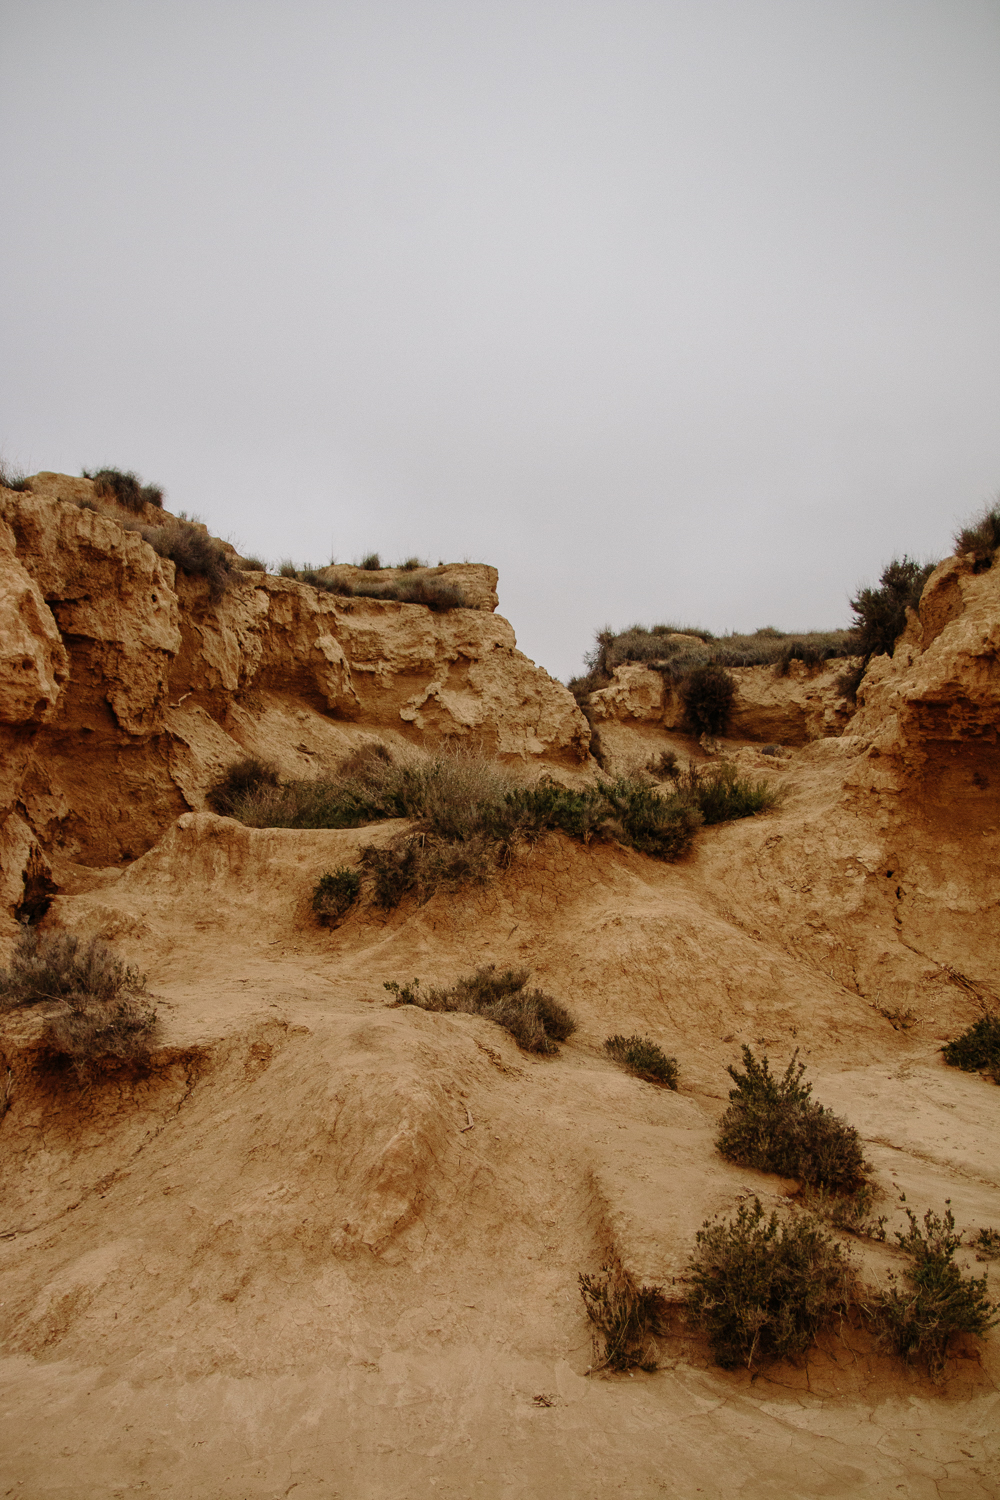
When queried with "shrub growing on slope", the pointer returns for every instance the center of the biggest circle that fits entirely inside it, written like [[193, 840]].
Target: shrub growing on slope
[[643, 1057], [981, 537], [105, 1015], [627, 1318], [535, 1021], [977, 1050], [763, 1289], [126, 489], [938, 1302], [880, 613], [335, 894], [707, 694], [723, 795], [774, 1125]]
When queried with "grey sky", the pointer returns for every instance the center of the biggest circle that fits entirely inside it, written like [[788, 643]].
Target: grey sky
[[681, 310]]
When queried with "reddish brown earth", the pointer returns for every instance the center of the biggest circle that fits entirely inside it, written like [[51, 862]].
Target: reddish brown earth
[[279, 1263]]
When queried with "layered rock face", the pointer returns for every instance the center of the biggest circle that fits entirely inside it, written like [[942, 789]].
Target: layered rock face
[[805, 704], [124, 687]]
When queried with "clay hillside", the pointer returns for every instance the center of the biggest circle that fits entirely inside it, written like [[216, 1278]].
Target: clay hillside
[[319, 903]]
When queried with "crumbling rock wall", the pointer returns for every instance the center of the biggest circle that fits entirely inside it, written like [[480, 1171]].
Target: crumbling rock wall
[[124, 687]]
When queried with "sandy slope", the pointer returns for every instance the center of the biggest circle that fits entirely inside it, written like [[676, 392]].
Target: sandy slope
[[281, 1266]]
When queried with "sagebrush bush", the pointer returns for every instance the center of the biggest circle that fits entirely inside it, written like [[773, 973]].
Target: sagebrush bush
[[763, 1289], [986, 1244], [722, 795], [372, 563], [774, 1125], [627, 1318], [665, 766], [981, 537], [334, 894], [977, 1050], [707, 694], [193, 551], [643, 1057], [535, 1020], [880, 613], [105, 1015], [850, 1212], [938, 1301], [126, 489], [231, 791], [13, 479]]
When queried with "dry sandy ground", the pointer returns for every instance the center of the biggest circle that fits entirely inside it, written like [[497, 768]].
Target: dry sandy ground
[[282, 1266]]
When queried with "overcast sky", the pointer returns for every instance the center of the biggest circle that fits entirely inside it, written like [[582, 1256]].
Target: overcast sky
[[671, 309]]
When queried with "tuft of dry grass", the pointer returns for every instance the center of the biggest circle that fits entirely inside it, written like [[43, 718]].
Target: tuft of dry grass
[[535, 1020], [627, 1318]]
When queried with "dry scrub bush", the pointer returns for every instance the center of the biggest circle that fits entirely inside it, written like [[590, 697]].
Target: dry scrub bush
[[977, 1050], [880, 613], [707, 694], [334, 895], [763, 1289], [106, 1015], [643, 1057], [126, 489], [773, 1124], [722, 795], [535, 1020], [920, 1318], [13, 479], [627, 1319], [981, 537], [244, 779]]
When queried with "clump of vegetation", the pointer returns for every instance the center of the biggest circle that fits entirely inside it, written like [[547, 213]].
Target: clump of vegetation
[[410, 564], [627, 1319], [193, 551], [240, 782], [938, 1301], [252, 565], [665, 766], [105, 1013], [851, 1213], [880, 613], [774, 1125], [763, 1289], [987, 1244], [707, 694], [126, 489], [434, 593], [334, 895], [13, 479], [535, 1021], [723, 795], [643, 1057], [372, 563], [977, 1050], [981, 537], [471, 814]]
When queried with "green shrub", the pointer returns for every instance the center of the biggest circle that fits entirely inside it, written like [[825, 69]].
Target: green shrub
[[535, 1021], [981, 537], [724, 795], [773, 1124], [13, 479], [987, 1244], [126, 489], [193, 551], [707, 694], [335, 894], [665, 766], [762, 1290], [229, 793], [880, 613], [627, 1319], [105, 1014], [938, 1301], [641, 1056], [978, 1048]]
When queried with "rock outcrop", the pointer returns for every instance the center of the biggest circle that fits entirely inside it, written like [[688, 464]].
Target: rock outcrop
[[125, 686], [805, 703]]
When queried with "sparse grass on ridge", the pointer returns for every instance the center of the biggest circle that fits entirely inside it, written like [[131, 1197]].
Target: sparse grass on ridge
[[535, 1021], [104, 1014]]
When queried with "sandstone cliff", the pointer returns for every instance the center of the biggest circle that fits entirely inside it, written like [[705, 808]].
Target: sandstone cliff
[[125, 687]]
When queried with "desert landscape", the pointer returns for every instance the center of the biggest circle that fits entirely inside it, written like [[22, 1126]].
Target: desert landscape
[[308, 1241]]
